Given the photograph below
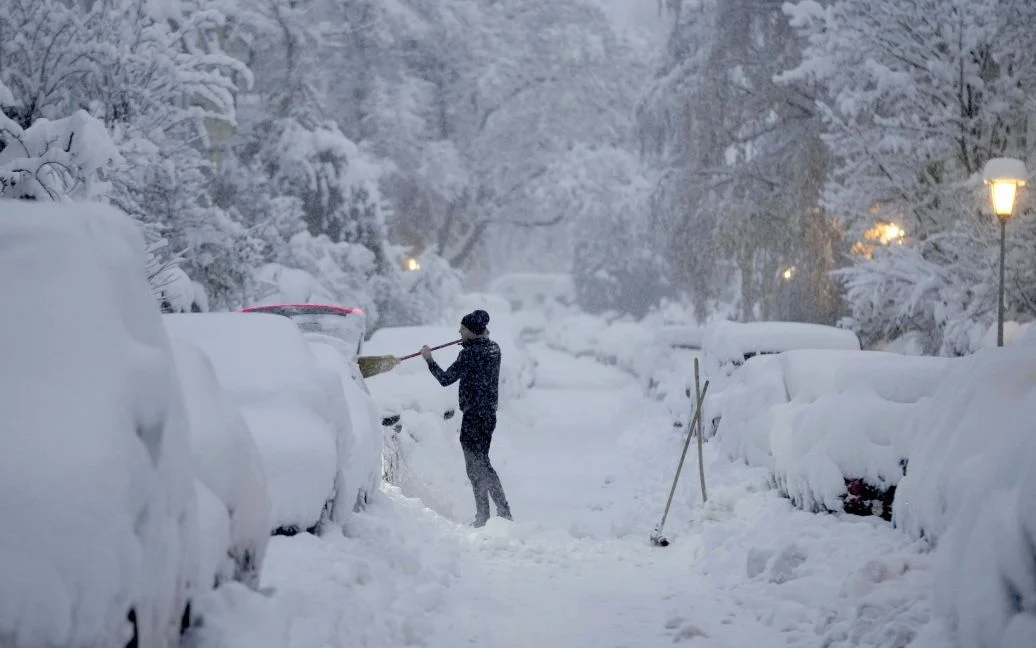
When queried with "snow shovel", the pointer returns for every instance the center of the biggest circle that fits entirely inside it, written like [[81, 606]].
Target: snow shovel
[[657, 538], [374, 365]]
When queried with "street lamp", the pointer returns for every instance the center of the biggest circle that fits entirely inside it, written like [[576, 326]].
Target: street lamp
[[1004, 176]]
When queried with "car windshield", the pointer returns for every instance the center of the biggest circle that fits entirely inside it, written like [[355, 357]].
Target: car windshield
[[347, 325]]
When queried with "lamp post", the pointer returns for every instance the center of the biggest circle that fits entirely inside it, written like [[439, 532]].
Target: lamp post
[[1004, 176]]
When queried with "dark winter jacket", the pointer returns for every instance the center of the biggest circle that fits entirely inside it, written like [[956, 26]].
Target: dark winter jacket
[[478, 370]]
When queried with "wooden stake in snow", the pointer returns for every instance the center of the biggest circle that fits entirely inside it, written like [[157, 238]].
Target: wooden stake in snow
[[698, 419]]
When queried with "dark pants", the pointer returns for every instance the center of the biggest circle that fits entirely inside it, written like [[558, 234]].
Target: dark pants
[[476, 434]]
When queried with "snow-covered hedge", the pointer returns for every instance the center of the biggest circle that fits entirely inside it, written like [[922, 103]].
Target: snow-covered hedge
[[97, 496], [970, 489]]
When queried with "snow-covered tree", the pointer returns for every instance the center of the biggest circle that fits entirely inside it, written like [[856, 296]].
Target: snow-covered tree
[[738, 162], [917, 96]]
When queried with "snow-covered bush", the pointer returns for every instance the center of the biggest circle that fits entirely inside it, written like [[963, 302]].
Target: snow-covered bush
[[96, 485], [62, 159], [294, 408], [969, 490], [908, 150]]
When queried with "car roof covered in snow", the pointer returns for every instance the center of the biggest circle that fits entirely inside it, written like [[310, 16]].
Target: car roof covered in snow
[[738, 340]]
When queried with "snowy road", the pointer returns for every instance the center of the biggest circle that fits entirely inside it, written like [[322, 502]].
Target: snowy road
[[586, 462]]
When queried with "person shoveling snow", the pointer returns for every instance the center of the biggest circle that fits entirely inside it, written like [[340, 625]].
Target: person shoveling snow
[[478, 370]]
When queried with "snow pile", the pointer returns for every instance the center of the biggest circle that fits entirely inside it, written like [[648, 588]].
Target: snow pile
[[969, 489], [96, 496], [227, 462], [294, 408], [745, 411], [429, 464]]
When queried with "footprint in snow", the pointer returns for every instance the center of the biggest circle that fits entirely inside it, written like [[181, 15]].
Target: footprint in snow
[[681, 630]]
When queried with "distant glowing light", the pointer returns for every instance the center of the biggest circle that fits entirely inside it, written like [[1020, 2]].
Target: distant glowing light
[[883, 233], [789, 273], [412, 264]]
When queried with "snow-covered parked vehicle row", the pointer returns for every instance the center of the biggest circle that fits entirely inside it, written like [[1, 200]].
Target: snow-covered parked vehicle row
[[98, 545], [233, 502], [830, 426], [726, 346], [295, 409]]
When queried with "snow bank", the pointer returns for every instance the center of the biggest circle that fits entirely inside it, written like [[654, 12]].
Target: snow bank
[[969, 489], [96, 494], [228, 463], [294, 408]]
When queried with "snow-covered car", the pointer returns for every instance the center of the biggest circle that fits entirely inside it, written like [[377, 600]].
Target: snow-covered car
[[98, 545], [727, 345], [348, 325], [335, 335], [831, 426], [233, 503], [294, 408], [534, 290]]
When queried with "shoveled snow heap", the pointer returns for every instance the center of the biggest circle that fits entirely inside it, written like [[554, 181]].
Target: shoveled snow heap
[[970, 489], [96, 486]]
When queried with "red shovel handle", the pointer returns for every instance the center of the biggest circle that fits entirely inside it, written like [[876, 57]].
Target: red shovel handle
[[441, 346]]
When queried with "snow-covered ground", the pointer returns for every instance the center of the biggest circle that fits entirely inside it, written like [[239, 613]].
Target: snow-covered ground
[[587, 460]]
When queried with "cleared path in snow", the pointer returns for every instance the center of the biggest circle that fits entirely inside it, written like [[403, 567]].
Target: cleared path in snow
[[558, 576], [587, 462]]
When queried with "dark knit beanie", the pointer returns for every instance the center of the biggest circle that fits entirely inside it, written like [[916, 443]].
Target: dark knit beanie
[[476, 321]]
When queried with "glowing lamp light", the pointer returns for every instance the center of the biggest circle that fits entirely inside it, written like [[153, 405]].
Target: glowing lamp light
[[412, 264], [1004, 176], [789, 273]]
